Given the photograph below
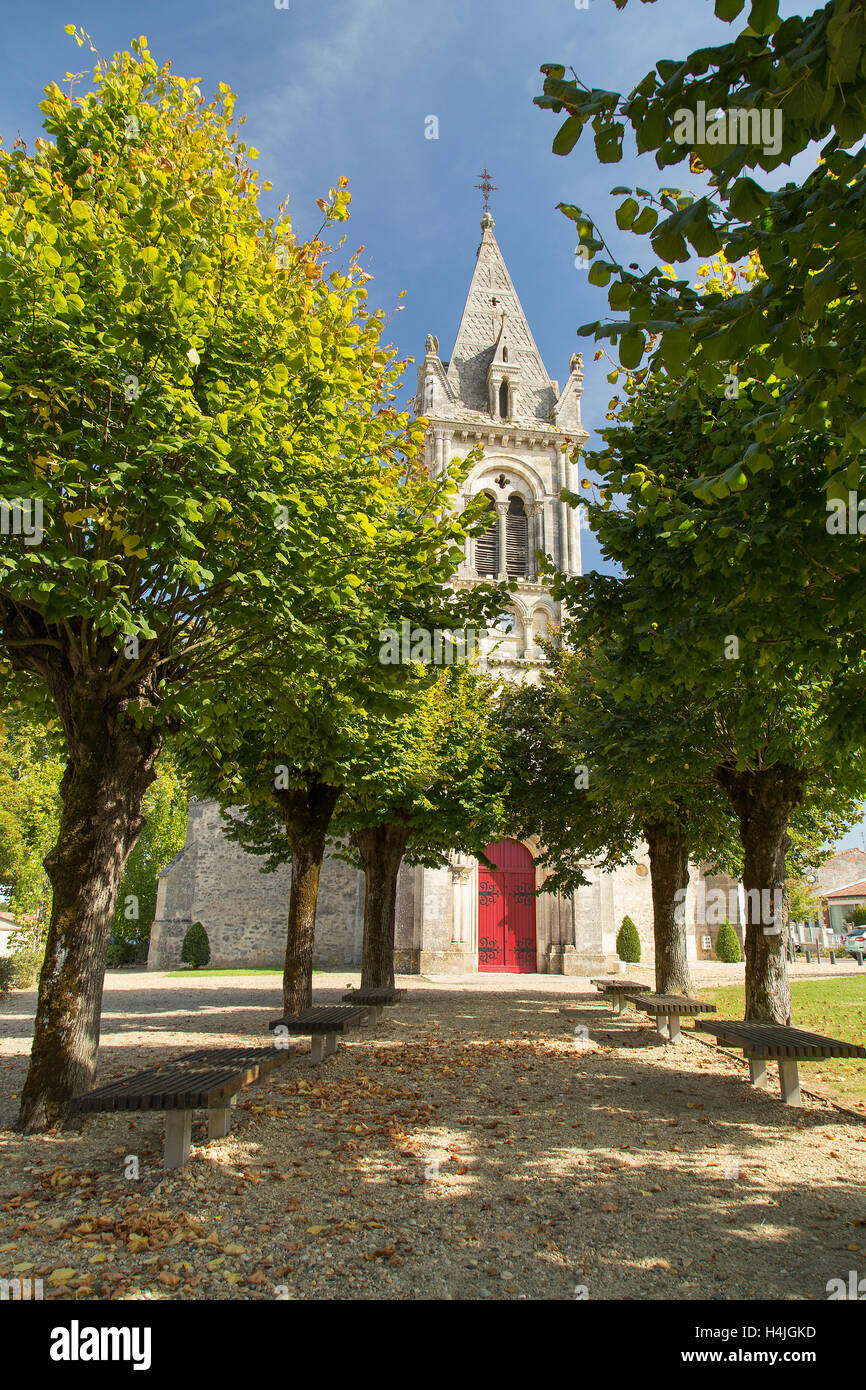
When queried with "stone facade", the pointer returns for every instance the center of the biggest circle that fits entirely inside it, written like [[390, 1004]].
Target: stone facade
[[244, 910], [493, 391]]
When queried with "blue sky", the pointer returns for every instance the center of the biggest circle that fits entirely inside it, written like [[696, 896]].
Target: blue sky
[[335, 87]]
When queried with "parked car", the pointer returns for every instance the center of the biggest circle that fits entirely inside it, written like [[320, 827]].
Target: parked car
[[854, 942]]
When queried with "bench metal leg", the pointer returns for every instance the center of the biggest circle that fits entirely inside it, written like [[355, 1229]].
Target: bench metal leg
[[219, 1122], [317, 1047], [330, 1044], [789, 1081], [662, 1025], [674, 1027], [178, 1128], [757, 1070]]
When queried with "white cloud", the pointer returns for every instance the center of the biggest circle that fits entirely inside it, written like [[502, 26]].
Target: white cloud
[[347, 81]]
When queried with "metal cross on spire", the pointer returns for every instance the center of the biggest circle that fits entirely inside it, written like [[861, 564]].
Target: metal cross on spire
[[487, 186]]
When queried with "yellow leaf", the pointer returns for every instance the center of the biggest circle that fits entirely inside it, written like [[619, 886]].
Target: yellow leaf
[[61, 1276], [316, 1230]]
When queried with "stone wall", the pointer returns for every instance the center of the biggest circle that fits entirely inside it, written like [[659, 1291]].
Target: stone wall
[[243, 909]]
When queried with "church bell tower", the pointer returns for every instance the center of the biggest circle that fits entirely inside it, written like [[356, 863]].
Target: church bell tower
[[495, 391]]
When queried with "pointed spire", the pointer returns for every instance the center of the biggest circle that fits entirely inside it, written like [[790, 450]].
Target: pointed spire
[[492, 303]]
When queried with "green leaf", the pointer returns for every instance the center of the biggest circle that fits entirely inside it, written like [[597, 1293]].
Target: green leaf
[[620, 294], [728, 9], [568, 135], [608, 143], [645, 222], [764, 16], [599, 273], [626, 213], [747, 199], [631, 349]]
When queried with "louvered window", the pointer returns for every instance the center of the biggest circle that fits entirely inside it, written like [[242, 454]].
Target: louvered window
[[516, 539], [487, 546]]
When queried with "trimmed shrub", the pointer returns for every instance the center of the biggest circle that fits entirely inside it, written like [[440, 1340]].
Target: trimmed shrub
[[728, 944], [196, 947], [628, 942], [7, 971], [122, 952], [20, 970]]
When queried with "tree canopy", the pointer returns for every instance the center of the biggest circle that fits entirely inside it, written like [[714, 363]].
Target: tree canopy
[[797, 333]]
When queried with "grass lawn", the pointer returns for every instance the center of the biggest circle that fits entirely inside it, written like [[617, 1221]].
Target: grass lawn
[[836, 1008]]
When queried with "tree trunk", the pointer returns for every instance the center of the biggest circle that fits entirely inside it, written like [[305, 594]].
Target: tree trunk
[[110, 767], [381, 848], [763, 801], [669, 867], [309, 812]]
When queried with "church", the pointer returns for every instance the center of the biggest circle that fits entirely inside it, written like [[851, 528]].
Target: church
[[494, 391]]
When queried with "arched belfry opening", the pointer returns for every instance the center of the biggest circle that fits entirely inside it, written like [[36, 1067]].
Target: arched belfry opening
[[517, 539], [504, 400], [487, 546]]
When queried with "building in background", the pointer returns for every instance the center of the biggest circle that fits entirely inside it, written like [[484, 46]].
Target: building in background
[[494, 390]]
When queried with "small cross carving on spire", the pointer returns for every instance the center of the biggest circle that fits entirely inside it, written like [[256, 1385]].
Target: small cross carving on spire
[[487, 186]]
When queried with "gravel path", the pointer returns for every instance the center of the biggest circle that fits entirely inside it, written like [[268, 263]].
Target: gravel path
[[471, 1144]]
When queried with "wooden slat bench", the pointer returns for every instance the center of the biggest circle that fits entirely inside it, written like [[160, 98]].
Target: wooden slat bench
[[618, 990], [668, 1010], [322, 1025], [378, 999], [205, 1079], [763, 1042]]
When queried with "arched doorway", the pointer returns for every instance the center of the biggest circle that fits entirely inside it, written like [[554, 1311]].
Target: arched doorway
[[506, 910]]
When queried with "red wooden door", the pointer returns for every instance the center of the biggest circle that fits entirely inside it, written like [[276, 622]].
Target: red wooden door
[[506, 910]]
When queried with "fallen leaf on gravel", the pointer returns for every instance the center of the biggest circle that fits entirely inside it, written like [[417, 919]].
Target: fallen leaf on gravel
[[61, 1276]]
